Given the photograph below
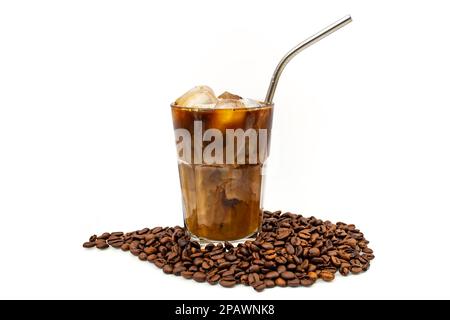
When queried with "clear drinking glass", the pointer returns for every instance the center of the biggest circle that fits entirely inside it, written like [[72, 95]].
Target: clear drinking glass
[[221, 156]]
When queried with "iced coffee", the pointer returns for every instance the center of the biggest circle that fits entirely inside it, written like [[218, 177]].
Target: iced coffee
[[222, 145]]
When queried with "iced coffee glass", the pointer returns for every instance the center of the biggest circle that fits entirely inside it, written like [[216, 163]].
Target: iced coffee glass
[[222, 145]]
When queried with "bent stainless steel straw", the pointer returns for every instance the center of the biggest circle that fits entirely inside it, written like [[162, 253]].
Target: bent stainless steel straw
[[300, 47]]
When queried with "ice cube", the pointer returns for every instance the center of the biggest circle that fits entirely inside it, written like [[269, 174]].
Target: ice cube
[[229, 104], [250, 103], [200, 96], [228, 95]]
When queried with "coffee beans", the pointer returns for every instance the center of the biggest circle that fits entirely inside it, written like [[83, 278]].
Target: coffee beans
[[280, 282], [168, 269], [199, 276], [327, 276], [142, 256], [291, 251], [288, 275], [101, 244], [314, 252], [89, 244], [293, 282], [227, 283], [271, 275], [260, 286]]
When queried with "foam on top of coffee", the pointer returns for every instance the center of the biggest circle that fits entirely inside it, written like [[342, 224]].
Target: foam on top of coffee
[[203, 97]]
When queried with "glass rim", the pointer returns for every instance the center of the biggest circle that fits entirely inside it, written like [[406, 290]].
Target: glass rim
[[264, 105]]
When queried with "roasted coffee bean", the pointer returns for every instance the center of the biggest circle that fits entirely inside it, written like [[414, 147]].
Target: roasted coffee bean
[[156, 230], [199, 276], [104, 236], [223, 265], [258, 262], [253, 268], [369, 256], [228, 273], [227, 283], [356, 270], [304, 235], [172, 256], [269, 283], [135, 252], [283, 234], [280, 282], [271, 275], [244, 251], [117, 244], [187, 274], [198, 262], [270, 256], [209, 247], [280, 260], [228, 245], [259, 286], [179, 269], [306, 282], [344, 271], [142, 256], [117, 234], [182, 242], [281, 268], [270, 265], [150, 250], [165, 240], [143, 231], [214, 279], [327, 276], [206, 265], [267, 246], [344, 255], [159, 263], [293, 282], [290, 248], [251, 278], [230, 257], [101, 244], [89, 244], [152, 257], [317, 261], [314, 252], [287, 275], [218, 256], [291, 266], [365, 250], [312, 275], [168, 269], [312, 267], [336, 261]]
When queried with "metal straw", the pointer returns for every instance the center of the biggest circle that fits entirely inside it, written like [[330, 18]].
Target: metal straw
[[300, 47]]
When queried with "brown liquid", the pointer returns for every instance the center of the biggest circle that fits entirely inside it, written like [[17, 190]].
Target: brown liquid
[[222, 202]]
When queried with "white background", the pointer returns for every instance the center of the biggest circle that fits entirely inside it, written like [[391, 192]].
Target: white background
[[361, 134]]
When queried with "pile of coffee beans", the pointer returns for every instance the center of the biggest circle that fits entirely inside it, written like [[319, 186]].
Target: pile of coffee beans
[[291, 251]]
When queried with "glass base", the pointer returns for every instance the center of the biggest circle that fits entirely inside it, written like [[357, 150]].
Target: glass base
[[203, 241]]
